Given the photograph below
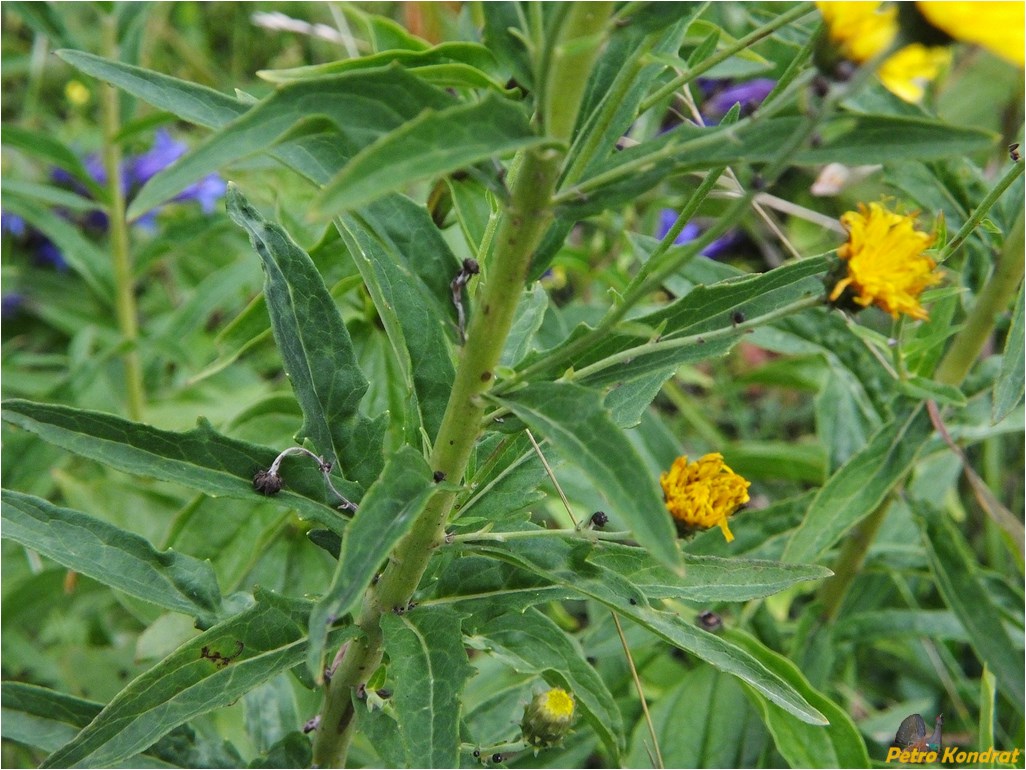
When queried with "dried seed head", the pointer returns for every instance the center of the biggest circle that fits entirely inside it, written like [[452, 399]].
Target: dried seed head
[[267, 483]]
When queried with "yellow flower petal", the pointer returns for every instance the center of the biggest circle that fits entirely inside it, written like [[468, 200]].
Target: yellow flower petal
[[703, 494], [885, 261], [998, 27], [906, 73], [862, 30]]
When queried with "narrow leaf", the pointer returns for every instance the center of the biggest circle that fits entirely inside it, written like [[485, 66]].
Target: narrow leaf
[[838, 744], [860, 485], [705, 578], [47, 719], [201, 458], [432, 144], [1008, 390], [315, 347], [207, 672], [120, 559], [343, 100], [574, 420], [386, 514], [430, 667], [959, 580], [724, 731], [189, 101], [410, 309]]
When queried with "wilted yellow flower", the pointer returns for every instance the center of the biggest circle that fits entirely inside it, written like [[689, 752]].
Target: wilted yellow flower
[[862, 30], [886, 266], [998, 27], [547, 718], [704, 494]]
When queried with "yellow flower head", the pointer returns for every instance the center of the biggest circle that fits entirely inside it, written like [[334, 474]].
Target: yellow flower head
[[547, 718], [704, 494], [860, 31], [998, 27], [885, 261]]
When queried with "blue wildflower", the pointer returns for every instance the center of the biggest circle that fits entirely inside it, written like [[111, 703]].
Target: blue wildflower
[[207, 192], [135, 172], [13, 224], [164, 152], [691, 231], [666, 219], [748, 94], [46, 252], [10, 305]]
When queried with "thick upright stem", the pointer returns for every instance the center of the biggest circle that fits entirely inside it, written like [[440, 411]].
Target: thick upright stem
[[520, 230], [994, 298], [124, 283]]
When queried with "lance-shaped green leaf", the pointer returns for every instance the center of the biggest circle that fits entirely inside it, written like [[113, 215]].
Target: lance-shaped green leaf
[[117, 558], [959, 580], [533, 644], [705, 578], [848, 138], [432, 144], [838, 744], [575, 421], [201, 458], [1008, 390], [699, 325], [386, 514], [860, 485], [725, 731], [47, 719], [315, 347], [408, 305], [430, 667], [363, 105], [207, 672], [573, 570], [474, 54], [189, 101], [315, 156]]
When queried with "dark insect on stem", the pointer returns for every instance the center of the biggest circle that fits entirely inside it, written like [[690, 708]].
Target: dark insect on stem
[[470, 268], [1013, 152], [737, 317], [220, 660]]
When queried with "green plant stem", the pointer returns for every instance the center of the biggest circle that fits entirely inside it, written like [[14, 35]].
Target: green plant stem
[[503, 537], [992, 300], [124, 283], [982, 210], [518, 234], [849, 562]]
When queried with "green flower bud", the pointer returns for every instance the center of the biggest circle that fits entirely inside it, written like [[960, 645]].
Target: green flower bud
[[547, 718]]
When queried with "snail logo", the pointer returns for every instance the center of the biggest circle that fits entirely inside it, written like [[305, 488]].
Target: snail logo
[[912, 734]]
